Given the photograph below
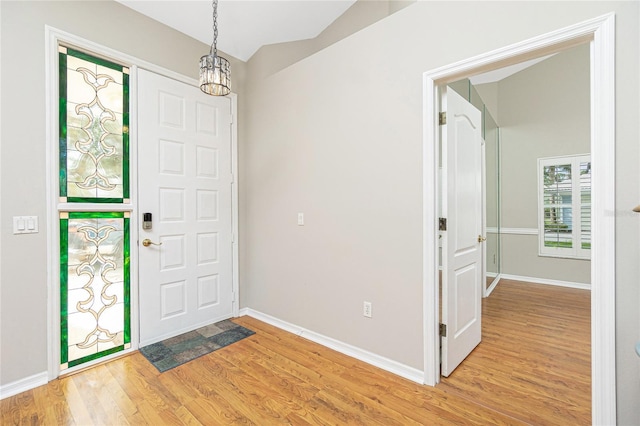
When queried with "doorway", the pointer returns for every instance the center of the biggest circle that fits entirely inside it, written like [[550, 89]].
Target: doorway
[[545, 197], [127, 215], [599, 33], [536, 338]]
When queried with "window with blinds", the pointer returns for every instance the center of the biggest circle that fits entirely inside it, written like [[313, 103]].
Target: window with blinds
[[565, 206]]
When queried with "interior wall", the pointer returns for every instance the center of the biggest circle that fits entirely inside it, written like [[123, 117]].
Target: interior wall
[[544, 112], [489, 94], [23, 283], [274, 57], [338, 136]]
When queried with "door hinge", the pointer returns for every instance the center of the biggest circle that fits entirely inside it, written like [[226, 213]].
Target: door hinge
[[442, 118], [442, 224], [443, 330]]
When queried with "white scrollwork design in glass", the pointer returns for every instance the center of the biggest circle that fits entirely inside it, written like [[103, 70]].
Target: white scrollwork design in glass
[[95, 282], [95, 306], [94, 123]]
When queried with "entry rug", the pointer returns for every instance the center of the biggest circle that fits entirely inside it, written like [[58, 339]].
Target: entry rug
[[180, 349]]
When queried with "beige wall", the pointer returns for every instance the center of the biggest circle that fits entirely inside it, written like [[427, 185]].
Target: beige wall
[[544, 112], [489, 94], [274, 57], [338, 136], [23, 283]]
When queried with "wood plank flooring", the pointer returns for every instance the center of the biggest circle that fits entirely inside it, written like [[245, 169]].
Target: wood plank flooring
[[534, 362], [532, 368]]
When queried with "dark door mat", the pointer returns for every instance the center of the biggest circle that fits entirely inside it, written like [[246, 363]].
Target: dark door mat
[[180, 349]]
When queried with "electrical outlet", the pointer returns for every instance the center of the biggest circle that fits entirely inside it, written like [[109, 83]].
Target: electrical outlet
[[367, 309]]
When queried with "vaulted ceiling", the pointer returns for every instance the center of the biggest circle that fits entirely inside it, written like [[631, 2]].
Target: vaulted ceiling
[[244, 25]]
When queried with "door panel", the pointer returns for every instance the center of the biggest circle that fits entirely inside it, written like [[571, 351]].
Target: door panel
[[185, 182], [462, 249]]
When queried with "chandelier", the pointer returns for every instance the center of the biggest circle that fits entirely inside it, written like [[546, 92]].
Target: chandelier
[[215, 71]]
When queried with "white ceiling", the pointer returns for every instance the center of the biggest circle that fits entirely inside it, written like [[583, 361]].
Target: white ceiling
[[502, 73], [244, 25]]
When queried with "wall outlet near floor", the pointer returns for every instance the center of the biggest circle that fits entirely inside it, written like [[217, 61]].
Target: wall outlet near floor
[[366, 311]]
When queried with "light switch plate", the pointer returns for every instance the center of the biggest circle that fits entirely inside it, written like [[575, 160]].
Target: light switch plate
[[25, 224]]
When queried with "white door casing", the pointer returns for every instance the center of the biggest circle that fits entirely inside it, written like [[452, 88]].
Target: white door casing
[[185, 183], [462, 269], [483, 175]]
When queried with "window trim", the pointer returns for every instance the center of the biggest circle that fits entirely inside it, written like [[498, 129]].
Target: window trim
[[576, 251], [53, 39]]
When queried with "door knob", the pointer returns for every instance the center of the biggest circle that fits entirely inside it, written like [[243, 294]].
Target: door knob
[[147, 242], [481, 238]]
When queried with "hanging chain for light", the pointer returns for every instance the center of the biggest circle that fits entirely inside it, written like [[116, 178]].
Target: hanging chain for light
[[215, 71], [214, 46]]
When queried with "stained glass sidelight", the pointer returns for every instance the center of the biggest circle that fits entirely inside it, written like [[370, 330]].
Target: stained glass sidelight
[[94, 246], [94, 285], [94, 129]]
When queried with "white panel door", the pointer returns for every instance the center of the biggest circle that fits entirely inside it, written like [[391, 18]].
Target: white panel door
[[185, 183], [462, 244]]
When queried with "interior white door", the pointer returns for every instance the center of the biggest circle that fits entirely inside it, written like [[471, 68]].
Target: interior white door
[[184, 174], [462, 243]]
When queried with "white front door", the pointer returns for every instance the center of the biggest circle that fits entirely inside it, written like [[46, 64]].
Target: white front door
[[462, 246], [185, 181]]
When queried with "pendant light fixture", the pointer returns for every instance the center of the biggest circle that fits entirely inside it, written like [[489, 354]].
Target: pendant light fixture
[[215, 72]]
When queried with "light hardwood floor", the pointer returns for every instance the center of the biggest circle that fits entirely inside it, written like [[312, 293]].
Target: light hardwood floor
[[531, 368], [534, 362]]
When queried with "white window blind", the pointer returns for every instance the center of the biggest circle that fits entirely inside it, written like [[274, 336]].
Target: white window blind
[[564, 185]]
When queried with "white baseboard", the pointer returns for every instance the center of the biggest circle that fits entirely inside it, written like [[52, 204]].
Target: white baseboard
[[23, 385], [387, 364], [545, 281]]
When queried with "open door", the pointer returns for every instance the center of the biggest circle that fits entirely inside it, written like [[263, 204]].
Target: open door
[[462, 247]]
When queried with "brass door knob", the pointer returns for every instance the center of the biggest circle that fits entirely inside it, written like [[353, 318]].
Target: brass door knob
[[147, 242], [481, 238]]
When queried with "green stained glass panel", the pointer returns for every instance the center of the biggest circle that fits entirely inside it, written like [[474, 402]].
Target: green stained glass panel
[[94, 127], [95, 285]]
